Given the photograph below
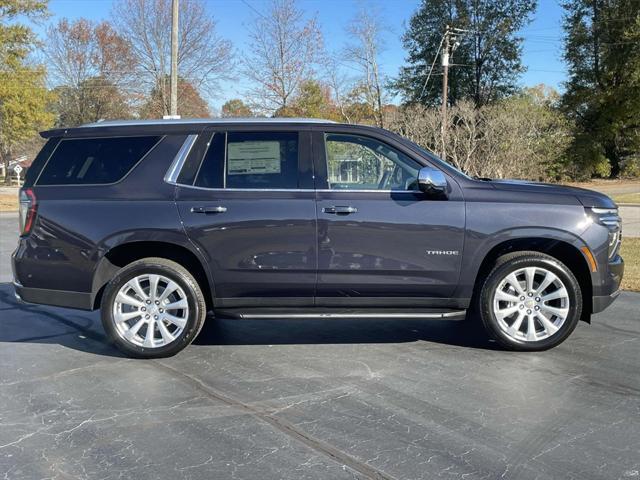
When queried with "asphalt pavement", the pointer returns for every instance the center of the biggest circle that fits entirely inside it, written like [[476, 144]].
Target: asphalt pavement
[[321, 399]]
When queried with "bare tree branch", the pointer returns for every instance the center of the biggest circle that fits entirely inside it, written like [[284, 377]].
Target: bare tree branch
[[204, 58], [284, 50]]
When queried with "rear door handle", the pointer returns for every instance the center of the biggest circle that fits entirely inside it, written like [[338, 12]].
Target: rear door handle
[[340, 210], [208, 209]]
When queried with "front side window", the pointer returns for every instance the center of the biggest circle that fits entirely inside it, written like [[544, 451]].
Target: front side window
[[251, 160], [355, 162], [86, 161]]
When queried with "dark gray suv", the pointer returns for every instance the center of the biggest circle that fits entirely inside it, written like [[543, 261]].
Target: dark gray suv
[[158, 222]]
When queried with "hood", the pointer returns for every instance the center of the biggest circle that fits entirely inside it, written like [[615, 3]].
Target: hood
[[588, 198]]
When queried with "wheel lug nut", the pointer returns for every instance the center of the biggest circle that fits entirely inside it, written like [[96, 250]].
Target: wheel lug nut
[[148, 302], [522, 298], [537, 299], [147, 317], [528, 312], [143, 309], [521, 307], [161, 310], [537, 308], [157, 302], [530, 294]]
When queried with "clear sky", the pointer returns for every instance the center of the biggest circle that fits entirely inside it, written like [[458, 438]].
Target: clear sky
[[542, 46]]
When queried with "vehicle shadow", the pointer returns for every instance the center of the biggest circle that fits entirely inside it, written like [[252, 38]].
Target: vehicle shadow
[[223, 331], [79, 330]]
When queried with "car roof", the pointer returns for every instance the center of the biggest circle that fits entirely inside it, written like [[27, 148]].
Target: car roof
[[175, 125]]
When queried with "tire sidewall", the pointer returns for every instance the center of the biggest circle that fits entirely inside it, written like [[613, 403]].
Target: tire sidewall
[[491, 284], [188, 334]]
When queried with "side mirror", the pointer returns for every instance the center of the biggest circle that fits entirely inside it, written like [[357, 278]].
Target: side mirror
[[432, 182]]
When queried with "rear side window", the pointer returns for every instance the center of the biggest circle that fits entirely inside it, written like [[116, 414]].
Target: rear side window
[[40, 161], [84, 161], [251, 160]]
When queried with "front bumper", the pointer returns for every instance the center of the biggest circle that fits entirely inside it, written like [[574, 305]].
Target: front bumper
[[610, 287], [602, 302]]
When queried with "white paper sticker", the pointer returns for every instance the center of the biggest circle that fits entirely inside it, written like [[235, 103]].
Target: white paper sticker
[[251, 158]]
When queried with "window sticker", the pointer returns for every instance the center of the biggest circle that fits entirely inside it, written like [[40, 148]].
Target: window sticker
[[251, 158]]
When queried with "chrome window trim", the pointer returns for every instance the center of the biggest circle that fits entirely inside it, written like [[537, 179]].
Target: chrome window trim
[[366, 191], [178, 162]]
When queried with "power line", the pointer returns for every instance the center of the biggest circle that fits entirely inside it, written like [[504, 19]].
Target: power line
[[435, 58]]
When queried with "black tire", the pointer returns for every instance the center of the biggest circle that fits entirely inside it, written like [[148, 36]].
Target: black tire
[[177, 273], [512, 262]]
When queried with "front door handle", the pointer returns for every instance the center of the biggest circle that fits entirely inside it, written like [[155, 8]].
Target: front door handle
[[208, 209], [339, 210]]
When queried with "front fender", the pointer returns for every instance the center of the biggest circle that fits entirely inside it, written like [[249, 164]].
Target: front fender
[[478, 248]]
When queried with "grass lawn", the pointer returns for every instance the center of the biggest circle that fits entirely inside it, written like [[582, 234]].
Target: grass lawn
[[626, 198], [631, 254], [8, 202]]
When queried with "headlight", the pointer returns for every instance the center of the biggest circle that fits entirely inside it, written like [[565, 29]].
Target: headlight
[[609, 218]]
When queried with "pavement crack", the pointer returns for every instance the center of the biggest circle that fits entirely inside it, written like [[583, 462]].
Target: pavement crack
[[289, 429]]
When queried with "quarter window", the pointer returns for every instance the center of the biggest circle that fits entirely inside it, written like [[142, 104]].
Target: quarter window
[[84, 161], [362, 163]]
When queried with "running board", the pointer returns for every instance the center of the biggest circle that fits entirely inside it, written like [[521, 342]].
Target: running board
[[341, 315]]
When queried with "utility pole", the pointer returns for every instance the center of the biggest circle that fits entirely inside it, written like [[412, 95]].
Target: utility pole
[[173, 101], [445, 89]]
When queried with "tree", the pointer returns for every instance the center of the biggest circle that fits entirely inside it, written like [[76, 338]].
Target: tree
[[338, 83], [24, 98], [523, 136], [313, 100], [358, 108], [203, 57], [602, 48], [92, 66], [284, 49], [96, 98], [236, 108], [365, 31], [16, 39], [190, 103], [487, 58]]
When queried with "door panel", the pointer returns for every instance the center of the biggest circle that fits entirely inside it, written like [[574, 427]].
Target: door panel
[[263, 245], [387, 247], [248, 213], [379, 238]]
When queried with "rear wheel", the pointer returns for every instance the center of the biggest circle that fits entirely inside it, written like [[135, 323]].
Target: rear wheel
[[530, 301], [153, 308]]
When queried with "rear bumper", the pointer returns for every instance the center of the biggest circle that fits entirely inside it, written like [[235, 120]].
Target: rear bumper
[[57, 298]]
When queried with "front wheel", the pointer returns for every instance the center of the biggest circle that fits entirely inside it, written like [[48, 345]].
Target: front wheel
[[152, 308], [530, 301]]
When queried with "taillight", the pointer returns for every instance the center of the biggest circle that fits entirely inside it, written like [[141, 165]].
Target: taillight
[[28, 208]]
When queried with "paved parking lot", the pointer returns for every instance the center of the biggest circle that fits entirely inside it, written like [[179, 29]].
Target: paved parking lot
[[325, 399]]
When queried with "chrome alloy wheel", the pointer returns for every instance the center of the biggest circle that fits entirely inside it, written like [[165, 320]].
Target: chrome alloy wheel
[[150, 311], [531, 304]]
